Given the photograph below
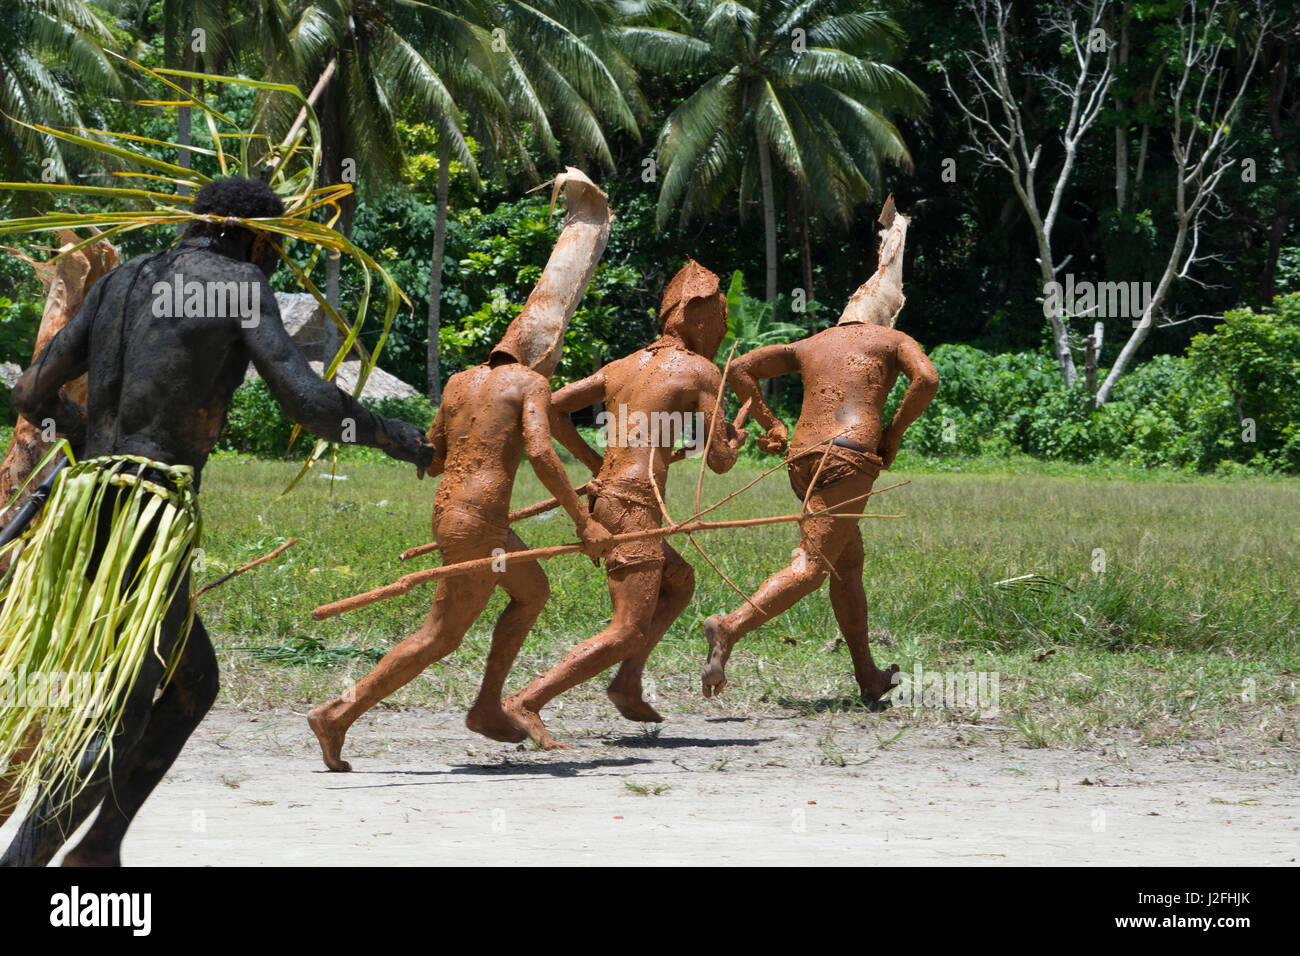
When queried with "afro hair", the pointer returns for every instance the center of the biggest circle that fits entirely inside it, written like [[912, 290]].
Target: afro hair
[[238, 198]]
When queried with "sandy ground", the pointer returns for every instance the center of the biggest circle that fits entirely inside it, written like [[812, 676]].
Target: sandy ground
[[826, 789]]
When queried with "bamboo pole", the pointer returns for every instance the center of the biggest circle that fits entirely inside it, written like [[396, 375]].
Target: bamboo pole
[[404, 584]]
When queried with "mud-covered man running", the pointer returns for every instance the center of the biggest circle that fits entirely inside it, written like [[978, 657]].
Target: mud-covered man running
[[838, 450]]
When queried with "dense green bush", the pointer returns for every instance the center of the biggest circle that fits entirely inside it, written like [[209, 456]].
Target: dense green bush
[[19, 321], [1192, 411], [1254, 357], [1232, 402]]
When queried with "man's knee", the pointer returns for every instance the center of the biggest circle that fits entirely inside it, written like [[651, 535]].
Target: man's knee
[[538, 591], [205, 693], [199, 670], [808, 568], [626, 632]]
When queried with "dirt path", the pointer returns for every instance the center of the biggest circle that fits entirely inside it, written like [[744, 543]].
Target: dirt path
[[250, 789]]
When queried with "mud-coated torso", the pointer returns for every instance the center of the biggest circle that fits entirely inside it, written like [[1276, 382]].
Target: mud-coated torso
[[848, 371], [483, 407], [667, 385]]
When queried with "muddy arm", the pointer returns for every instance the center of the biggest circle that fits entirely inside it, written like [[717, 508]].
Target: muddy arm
[[546, 463], [745, 374], [569, 399], [924, 384], [437, 437], [726, 442], [38, 394], [319, 406]]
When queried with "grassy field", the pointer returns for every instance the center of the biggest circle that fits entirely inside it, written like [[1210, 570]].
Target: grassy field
[[1191, 632]]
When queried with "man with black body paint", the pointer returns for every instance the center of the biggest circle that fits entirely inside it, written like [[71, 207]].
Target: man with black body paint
[[160, 387]]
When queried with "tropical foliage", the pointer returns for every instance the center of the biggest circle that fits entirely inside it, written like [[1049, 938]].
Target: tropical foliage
[[702, 120]]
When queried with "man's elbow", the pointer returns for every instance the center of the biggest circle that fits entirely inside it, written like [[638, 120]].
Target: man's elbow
[[24, 399], [927, 383]]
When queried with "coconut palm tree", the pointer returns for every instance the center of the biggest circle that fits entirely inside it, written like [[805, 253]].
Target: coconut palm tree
[[806, 86], [549, 67], [366, 61], [512, 65], [194, 33], [37, 33]]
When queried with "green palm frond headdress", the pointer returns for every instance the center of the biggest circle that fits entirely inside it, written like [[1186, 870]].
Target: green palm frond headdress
[[288, 167]]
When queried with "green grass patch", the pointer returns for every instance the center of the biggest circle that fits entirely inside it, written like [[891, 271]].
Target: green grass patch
[[1172, 611]]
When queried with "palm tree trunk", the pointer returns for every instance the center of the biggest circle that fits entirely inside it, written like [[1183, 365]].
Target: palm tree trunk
[[435, 269], [183, 124], [769, 215]]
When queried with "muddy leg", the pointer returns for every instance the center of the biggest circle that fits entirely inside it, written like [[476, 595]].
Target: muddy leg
[[822, 541], [634, 591], [457, 603], [177, 712], [529, 590], [55, 817], [849, 601], [676, 587], [774, 597]]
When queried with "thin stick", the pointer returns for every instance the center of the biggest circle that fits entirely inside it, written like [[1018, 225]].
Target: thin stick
[[808, 494], [818, 473], [494, 563], [713, 423], [248, 567], [550, 504], [321, 82], [704, 554]]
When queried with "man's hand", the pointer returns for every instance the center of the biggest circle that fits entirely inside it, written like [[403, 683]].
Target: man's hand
[[428, 453], [888, 449], [736, 437], [595, 539], [410, 445], [775, 441]]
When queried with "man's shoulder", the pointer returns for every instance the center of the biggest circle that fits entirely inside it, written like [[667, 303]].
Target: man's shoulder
[[862, 335]]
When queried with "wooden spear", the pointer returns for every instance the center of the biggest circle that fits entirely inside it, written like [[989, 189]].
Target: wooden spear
[[495, 563]]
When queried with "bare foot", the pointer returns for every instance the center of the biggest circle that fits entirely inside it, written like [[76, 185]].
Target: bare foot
[[81, 855], [875, 687], [493, 722], [330, 739], [715, 675], [633, 706], [532, 723]]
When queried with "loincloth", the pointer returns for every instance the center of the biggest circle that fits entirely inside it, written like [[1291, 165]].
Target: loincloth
[[842, 461], [624, 505]]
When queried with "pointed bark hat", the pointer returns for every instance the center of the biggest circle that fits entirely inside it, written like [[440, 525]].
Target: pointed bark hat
[[536, 336], [879, 300]]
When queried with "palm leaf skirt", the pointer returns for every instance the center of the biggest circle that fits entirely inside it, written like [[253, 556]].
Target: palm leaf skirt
[[72, 647]]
